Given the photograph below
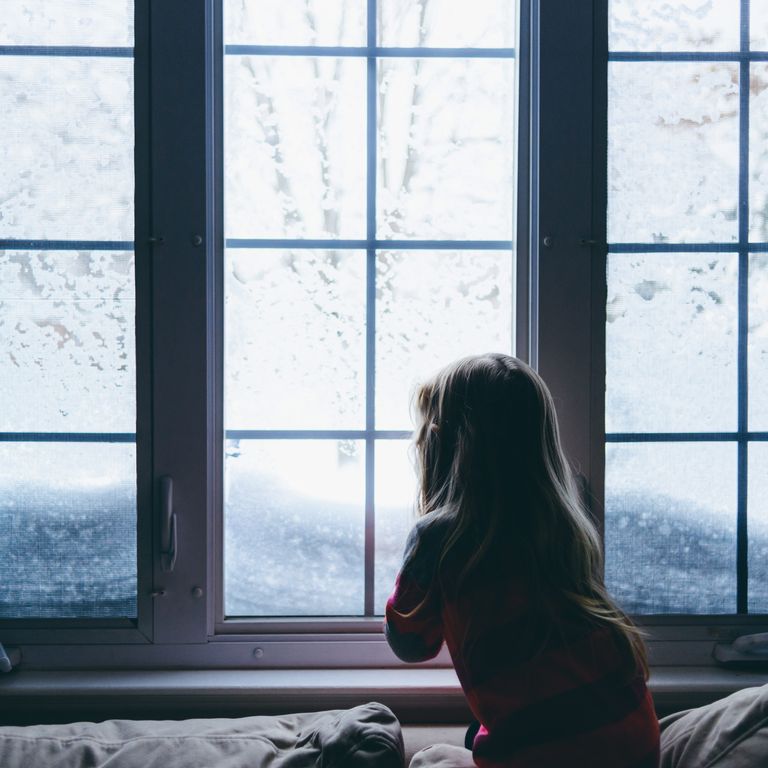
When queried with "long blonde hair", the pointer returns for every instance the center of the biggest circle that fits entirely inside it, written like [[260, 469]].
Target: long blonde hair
[[489, 459]]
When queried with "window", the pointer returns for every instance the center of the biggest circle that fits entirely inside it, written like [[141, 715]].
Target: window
[[67, 303], [686, 327], [369, 168], [303, 214]]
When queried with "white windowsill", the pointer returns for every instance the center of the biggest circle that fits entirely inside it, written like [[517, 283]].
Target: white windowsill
[[416, 695]]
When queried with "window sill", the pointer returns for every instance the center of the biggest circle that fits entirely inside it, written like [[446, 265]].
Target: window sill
[[416, 695]]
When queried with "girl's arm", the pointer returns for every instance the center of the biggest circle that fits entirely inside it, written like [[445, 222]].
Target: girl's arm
[[414, 627]]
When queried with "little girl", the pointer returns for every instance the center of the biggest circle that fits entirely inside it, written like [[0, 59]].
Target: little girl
[[505, 566]]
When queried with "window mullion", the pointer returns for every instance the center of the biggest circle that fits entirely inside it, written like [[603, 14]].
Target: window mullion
[[181, 314], [571, 269]]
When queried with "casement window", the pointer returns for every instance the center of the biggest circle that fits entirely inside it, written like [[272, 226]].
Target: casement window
[[236, 233]]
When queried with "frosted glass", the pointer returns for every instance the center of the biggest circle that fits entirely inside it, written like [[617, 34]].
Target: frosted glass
[[67, 530], [295, 147], [433, 307], [758, 22], [295, 339], [445, 149], [758, 527], [295, 22], [670, 527], [674, 25], [66, 158], [757, 353], [758, 153], [671, 342], [68, 341], [673, 152], [67, 22], [294, 524], [447, 23], [395, 512]]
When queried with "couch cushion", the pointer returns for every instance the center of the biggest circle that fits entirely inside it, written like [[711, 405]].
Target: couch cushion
[[363, 736], [730, 733]]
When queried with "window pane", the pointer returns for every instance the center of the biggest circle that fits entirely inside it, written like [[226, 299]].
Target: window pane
[[66, 331], [758, 527], [395, 512], [66, 158], [758, 342], [670, 527], [67, 316], [447, 23], [758, 153], [295, 334], [671, 342], [295, 147], [67, 530], [433, 307], [758, 22], [445, 146], [295, 22], [67, 22], [294, 528], [674, 25], [673, 152]]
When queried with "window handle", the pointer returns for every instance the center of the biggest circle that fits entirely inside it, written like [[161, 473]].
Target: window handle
[[168, 525], [745, 650], [9, 658]]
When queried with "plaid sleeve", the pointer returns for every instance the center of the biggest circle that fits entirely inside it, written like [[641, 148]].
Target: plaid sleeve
[[413, 626]]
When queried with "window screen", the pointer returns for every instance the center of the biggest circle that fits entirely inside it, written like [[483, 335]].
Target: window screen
[[67, 361], [687, 331]]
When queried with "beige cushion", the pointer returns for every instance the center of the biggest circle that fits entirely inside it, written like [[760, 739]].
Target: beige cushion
[[730, 733]]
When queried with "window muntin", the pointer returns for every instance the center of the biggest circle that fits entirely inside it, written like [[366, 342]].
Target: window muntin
[[362, 236], [67, 307], [684, 332]]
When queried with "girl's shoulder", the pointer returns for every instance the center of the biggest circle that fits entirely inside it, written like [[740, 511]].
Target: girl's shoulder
[[425, 545]]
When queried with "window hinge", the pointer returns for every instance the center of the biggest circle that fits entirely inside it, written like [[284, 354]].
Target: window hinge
[[9, 658], [168, 537], [751, 650]]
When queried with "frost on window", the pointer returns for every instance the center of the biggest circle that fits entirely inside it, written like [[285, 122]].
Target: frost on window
[[67, 22], [67, 336], [294, 528], [673, 152], [295, 339], [758, 527], [445, 152], [670, 527], [758, 153], [66, 158], [757, 352], [295, 147], [295, 22], [395, 512], [671, 342], [433, 307], [447, 23], [67, 530], [674, 25], [758, 25]]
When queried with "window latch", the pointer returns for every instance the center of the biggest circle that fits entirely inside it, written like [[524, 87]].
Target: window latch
[[168, 525], [9, 658], [750, 650]]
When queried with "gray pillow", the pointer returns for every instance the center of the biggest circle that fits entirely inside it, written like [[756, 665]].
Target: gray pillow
[[360, 737], [730, 733]]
